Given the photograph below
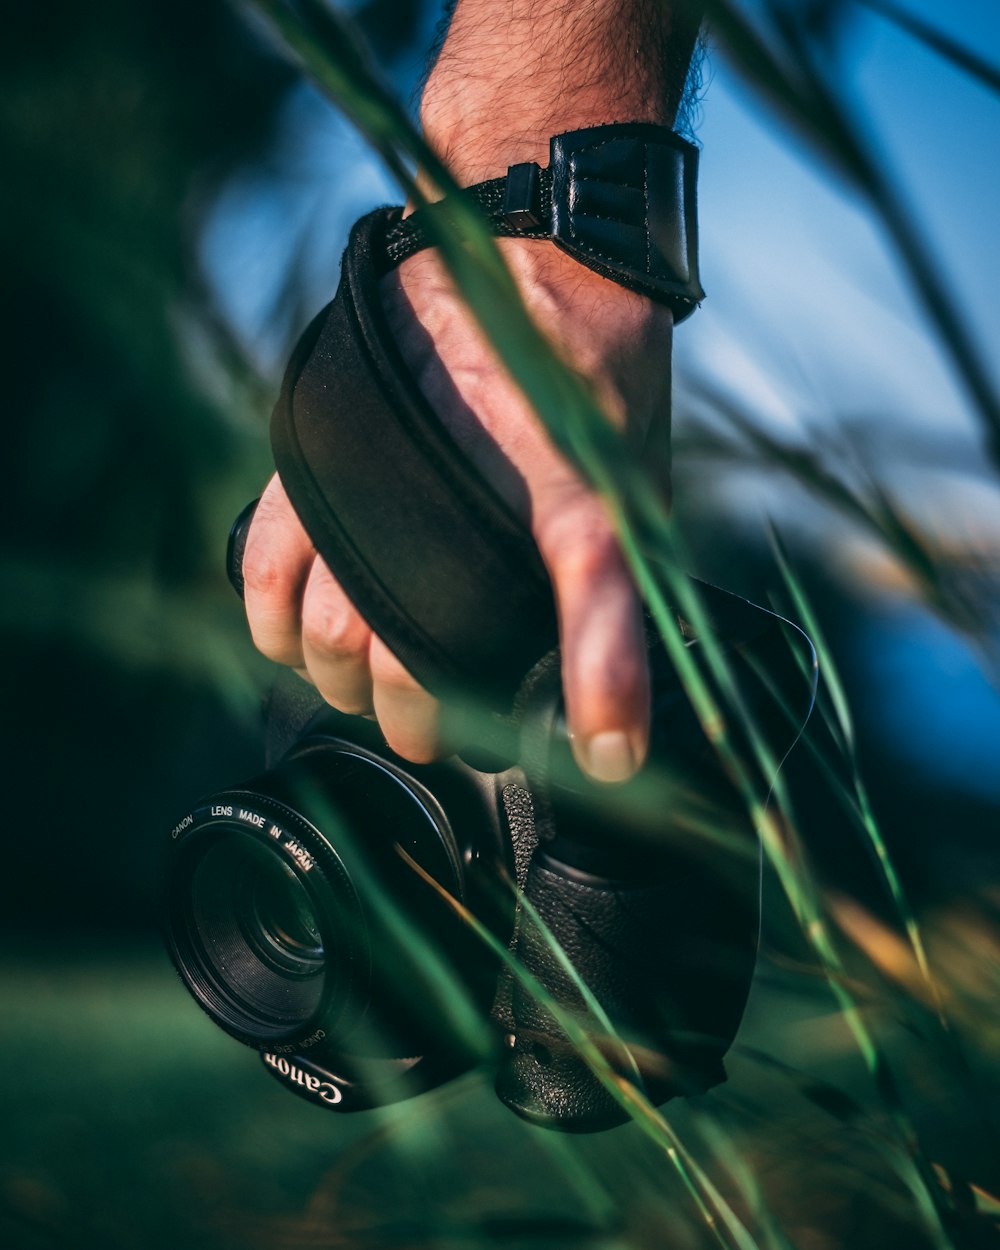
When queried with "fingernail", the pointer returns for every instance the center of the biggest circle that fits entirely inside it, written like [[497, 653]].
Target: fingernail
[[609, 756]]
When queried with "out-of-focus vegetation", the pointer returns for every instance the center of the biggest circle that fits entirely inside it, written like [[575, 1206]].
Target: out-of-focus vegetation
[[862, 1099]]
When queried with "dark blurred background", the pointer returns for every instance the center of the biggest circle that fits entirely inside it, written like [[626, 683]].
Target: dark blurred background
[[173, 204]]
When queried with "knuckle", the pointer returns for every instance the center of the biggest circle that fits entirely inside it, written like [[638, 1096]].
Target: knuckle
[[263, 573], [573, 525], [332, 631], [588, 556]]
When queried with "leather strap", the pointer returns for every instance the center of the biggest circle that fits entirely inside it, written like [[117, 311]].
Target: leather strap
[[425, 548], [620, 199]]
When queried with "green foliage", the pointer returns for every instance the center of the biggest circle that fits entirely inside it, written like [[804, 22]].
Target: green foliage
[[873, 1022]]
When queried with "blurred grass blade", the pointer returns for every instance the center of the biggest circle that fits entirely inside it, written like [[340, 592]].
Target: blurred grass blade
[[947, 48], [786, 88], [732, 1159], [864, 809], [806, 96]]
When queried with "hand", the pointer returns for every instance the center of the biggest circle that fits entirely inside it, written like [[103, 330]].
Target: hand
[[299, 615]]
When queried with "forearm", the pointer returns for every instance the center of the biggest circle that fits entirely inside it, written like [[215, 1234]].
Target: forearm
[[511, 73]]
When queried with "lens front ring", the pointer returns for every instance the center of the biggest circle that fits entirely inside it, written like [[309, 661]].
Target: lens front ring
[[263, 922]]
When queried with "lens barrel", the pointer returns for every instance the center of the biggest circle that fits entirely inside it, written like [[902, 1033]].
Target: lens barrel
[[290, 901], [263, 922]]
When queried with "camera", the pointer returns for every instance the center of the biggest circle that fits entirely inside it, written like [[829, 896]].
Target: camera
[[298, 921], [374, 928]]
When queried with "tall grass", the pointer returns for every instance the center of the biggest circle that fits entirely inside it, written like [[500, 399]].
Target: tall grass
[[859, 1110], [875, 969]]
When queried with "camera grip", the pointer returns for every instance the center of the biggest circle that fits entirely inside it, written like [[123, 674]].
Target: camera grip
[[668, 960]]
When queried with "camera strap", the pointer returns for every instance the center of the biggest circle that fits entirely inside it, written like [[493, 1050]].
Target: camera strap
[[428, 552], [431, 556], [619, 199], [425, 548]]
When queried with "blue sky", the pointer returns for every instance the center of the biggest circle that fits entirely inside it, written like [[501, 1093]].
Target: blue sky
[[804, 282]]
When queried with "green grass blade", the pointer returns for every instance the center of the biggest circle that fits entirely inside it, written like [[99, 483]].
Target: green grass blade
[[949, 49]]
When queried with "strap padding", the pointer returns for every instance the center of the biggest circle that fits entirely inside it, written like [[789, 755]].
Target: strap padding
[[426, 550]]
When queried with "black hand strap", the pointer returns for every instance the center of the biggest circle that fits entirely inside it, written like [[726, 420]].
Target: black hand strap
[[518, 205], [427, 551], [620, 199], [430, 555]]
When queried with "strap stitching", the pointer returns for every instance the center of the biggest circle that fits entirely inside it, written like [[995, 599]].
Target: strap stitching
[[619, 221], [605, 182], [488, 195]]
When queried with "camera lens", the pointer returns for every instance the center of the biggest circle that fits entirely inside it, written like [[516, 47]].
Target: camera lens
[[293, 909], [250, 910], [251, 936], [280, 921]]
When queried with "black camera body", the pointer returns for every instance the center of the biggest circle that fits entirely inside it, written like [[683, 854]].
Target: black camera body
[[320, 912]]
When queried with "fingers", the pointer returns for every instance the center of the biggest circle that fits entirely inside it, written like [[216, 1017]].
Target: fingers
[[276, 566], [605, 672], [299, 616], [335, 644], [356, 673], [297, 613], [407, 714]]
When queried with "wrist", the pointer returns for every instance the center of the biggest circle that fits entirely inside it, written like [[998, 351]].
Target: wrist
[[509, 76], [478, 141]]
